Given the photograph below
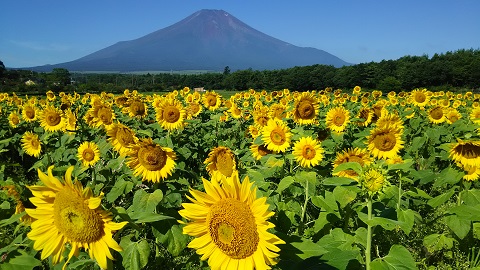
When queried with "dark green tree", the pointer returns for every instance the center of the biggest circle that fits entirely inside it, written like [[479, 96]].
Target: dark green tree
[[226, 70]]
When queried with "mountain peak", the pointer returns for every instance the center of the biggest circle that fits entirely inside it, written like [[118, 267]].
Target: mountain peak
[[208, 39]]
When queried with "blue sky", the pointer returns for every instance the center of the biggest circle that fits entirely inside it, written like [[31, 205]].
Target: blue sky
[[54, 31]]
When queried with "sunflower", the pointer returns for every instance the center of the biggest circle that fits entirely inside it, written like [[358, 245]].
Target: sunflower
[[259, 151], [276, 135], [50, 95], [467, 153], [278, 111], [452, 115], [373, 180], [229, 223], [88, 153], [472, 173], [103, 115], [475, 115], [385, 141], [419, 97], [152, 161], [170, 114], [337, 119], [137, 108], [221, 159], [366, 115], [359, 155], [13, 119], [211, 100], [305, 109], [31, 144], [121, 138], [68, 213], [193, 109], [436, 115], [308, 152], [52, 119], [391, 119], [260, 116], [29, 112], [254, 131], [235, 111]]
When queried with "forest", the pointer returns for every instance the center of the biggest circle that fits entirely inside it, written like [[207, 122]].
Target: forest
[[444, 71]]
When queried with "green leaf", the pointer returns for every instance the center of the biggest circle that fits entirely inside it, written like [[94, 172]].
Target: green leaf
[[471, 196], [448, 176], [338, 181], [144, 217], [285, 183], [437, 242], [441, 199], [417, 142], [300, 249], [135, 254], [146, 202], [386, 223], [398, 258], [406, 166], [467, 212], [349, 166], [460, 226], [121, 187], [21, 262], [407, 217], [361, 236], [345, 195], [340, 258], [14, 218], [476, 230], [176, 241], [327, 203]]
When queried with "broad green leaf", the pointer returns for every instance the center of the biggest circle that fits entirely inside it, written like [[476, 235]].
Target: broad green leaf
[[321, 221], [459, 226], [404, 166], [386, 223], [300, 249], [361, 236], [144, 217], [437, 242], [467, 212], [441, 199], [407, 217], [285, 183], [146, 202], [398, 258], [417, 142], [121, 187], [448, 176], [135, 254], [338, 181], [425, 176], [476, 230], [14, 218], [339, 258], [21, 262], [176, 241], [337, 239], [5, 205], [471, 196], [303, 177], [345, 195]]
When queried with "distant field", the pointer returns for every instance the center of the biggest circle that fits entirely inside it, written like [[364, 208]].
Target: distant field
[[180, 72]]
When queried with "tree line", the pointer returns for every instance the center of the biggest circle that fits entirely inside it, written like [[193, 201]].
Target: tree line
[[459, 69]]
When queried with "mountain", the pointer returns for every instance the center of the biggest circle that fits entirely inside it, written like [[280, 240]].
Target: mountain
[[205, 40]]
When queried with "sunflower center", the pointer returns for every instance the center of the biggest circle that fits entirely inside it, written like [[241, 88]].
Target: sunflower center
[[436, 113], [153, 158], [137, 108], [74, 219], [124, 136], [262, 150], [233, 229], [262, 120], [308, 152], [211, 101], [278, 136], [224, 163], [30, 113], [35, 143], [420, 97], [338, 119], [171, 114], [305, 110], [385, 141], [468, 150], [88, 154], [105, 115], [53, 119]]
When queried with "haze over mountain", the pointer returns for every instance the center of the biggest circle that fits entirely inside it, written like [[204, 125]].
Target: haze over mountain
[[205, 40]]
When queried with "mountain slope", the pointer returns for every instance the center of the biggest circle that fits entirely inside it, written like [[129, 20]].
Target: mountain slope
[[205, 40]]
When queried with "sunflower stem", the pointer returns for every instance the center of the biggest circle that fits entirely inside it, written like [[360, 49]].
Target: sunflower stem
[[304, 208], [399, 193], [368, 250]]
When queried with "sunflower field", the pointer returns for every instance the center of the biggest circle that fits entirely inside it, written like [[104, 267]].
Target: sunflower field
[[329, 179]]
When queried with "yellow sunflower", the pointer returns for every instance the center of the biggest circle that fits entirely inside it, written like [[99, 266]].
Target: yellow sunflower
[[211, 100], [385, 142], [475, 115], [259, 151], [137, 108], [452, 115], [419, 97], [31, 144], [88, 153], [103, 115], [337, 119], [229, 223], [221, 159], [71, 120], [359, 155], [52, 119], [261, 116], [472, 173], [365, 114], [152, 161], [121, 138], [235, 111], [13, 119], [66, 213], [29, 112], [466, 153], [436, 115], [305, 109], [278, 111], [193, 109], [276, 135], [308, 152], [170, 114]]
